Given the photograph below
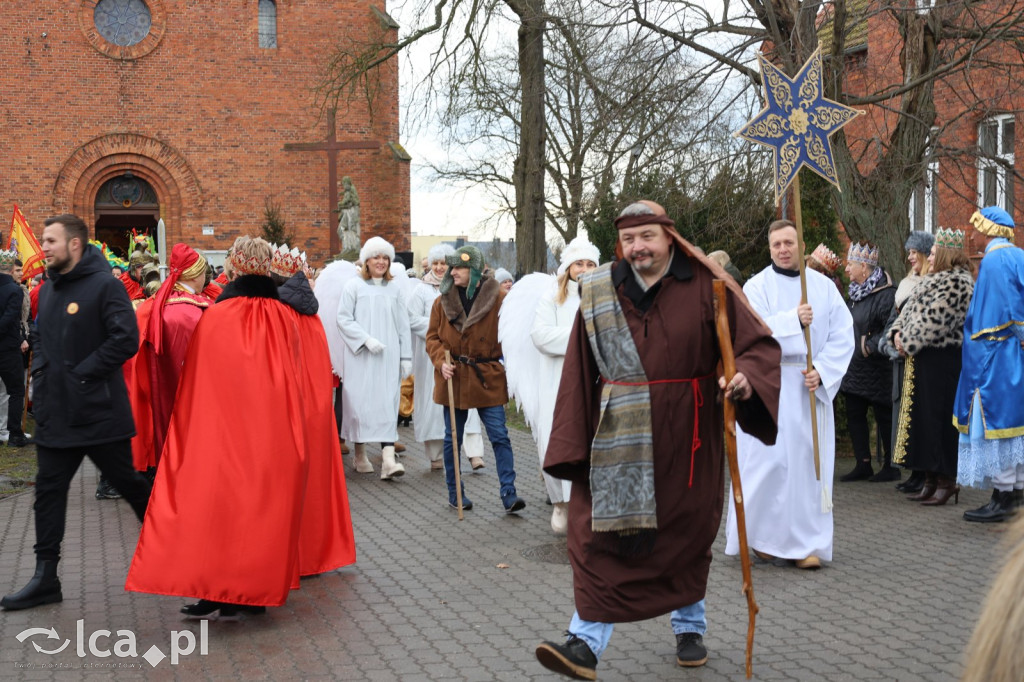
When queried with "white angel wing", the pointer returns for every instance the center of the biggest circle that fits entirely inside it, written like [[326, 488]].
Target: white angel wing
[[328, 293], [522, 359]]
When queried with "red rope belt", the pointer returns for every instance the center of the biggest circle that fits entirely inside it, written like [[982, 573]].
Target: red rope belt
[[698, 402]]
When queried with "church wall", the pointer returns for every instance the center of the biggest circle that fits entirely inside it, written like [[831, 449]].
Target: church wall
[[203, 116]]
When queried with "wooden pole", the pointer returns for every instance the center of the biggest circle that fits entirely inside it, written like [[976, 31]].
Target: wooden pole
[[455, 437], [729, 410], [801, 250]]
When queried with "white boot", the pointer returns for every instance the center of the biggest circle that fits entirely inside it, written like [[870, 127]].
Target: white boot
[[560, 518], [389, 468], [362, 464]]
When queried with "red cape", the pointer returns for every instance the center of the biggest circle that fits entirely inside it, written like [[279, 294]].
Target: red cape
[[224, 517], [326, 540], [154, 379], [134, 289]]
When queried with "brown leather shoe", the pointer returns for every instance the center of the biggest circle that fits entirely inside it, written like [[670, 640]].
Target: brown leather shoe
[[399, 447], [763, 556], [810, 563], [344, 448], [476, 462]]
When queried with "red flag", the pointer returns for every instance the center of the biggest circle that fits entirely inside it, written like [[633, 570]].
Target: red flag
[[29, 251]]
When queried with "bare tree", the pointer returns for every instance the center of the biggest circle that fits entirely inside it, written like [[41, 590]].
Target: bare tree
[[933, 45]]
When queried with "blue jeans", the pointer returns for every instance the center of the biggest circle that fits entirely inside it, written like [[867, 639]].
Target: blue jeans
[[493, 419], [686, 619]]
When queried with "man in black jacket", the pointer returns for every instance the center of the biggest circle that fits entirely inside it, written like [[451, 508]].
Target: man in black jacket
[[85, 331], [12, 366]]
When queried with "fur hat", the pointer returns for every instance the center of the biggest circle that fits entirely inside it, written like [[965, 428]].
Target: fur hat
[[502, 275], [465, 257], [439, 252], [579, 248], [920, 241], [376, 246], [993, 222]]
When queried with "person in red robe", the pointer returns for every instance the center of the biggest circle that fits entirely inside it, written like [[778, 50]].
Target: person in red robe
[[132, 278], [167, 322], [326, 540], [638, 430], [224, 519]]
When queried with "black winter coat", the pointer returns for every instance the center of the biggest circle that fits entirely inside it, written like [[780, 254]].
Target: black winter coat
[[870, 373], [11, 299], [85, 331]]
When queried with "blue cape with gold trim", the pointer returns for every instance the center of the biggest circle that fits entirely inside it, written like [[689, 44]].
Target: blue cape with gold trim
[[993, 360]]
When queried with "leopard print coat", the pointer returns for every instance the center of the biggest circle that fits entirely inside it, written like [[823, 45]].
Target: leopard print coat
[[934, 315]]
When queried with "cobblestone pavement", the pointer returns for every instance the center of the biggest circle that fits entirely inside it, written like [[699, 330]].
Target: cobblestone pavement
[[432, 598]]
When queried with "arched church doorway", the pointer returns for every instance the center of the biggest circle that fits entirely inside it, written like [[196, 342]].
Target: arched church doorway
[[125, 203]]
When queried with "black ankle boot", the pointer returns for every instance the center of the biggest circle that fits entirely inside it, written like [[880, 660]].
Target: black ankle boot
[[912, 484], [999, 508], [43, 588], [860, 472]]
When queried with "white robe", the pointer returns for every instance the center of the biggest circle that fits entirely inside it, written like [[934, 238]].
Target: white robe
[[781, 497], [370, 390], [552, 325], [428, 420]]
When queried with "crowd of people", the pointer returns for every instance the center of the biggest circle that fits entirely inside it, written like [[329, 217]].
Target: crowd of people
[[616, 367]]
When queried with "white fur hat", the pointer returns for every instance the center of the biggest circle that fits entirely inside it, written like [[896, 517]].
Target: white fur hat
[[439, 252], [376, 246], [502, 275], [579, 248]]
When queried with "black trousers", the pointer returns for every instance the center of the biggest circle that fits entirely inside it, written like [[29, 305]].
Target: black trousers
[[12, 373], [337, 408], [57, 466], [860, 434]]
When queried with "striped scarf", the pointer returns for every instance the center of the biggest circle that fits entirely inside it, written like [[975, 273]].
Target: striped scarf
[[622, 453]]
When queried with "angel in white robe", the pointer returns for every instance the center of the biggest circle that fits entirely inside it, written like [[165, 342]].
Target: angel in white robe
[[788, 511], [544, 307], [374, 325]]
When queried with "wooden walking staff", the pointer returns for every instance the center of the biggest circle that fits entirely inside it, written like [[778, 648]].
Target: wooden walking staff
[[796, 122], [826, 499], [455, 437], [729, 410]]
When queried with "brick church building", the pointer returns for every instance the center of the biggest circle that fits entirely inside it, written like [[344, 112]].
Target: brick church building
[[199, 113]]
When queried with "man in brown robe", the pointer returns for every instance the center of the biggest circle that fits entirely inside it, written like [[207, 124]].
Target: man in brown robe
[[662, 289]]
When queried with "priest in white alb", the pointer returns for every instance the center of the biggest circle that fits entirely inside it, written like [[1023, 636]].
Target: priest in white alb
[[788, 512]]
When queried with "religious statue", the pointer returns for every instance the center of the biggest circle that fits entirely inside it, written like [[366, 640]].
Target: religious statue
[[348, 222]]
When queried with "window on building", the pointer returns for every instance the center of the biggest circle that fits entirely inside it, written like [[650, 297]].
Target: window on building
[[995, 166], [924, 202], [268, 23]]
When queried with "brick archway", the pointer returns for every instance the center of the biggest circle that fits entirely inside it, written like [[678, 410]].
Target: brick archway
[[177, 190]]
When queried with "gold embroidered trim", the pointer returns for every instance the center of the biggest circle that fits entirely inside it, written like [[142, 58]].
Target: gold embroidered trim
[[990, 434], [992, 330], [899, 452]]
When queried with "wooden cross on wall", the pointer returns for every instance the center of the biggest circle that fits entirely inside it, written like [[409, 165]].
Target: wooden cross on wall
[[332, 146]]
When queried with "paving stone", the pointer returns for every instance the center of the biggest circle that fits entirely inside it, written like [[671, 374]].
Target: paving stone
[[426, 601]]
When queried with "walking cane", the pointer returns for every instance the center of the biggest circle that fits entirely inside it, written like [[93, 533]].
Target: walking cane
[[729, 410], [28, 378], [455, 437]]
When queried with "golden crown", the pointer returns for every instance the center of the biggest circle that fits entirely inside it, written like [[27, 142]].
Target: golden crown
[[863, 253], [949, 239], [826, 257], [286, 263]]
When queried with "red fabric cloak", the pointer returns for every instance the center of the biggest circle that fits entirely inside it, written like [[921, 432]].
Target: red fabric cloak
[[224, 517], [326, 539], [134, 289], [155, 377]]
